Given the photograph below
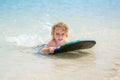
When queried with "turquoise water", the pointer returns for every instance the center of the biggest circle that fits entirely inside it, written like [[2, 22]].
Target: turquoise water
[[26, 23]]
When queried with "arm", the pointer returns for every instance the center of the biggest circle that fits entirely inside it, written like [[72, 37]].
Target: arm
[[44, 50], [49, 48]]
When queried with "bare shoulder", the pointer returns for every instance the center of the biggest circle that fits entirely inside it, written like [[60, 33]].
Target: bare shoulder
[[51, 44]]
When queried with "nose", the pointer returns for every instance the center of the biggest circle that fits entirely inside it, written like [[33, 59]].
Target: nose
[[60, 38]]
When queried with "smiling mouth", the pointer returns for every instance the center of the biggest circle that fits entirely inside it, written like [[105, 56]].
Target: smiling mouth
[[59, 39]]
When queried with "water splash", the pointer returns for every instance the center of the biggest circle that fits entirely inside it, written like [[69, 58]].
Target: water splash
[[25, 40]]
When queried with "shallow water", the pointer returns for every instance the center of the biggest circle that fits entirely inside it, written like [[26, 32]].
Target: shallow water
[[24, 26]]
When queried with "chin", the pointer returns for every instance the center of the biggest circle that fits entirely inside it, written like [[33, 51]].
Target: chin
[[59, 41]]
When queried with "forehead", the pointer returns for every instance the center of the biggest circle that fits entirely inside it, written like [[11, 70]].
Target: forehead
[[59, 30]]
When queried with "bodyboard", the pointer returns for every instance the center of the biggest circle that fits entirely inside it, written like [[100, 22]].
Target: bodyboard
[[75, 45]]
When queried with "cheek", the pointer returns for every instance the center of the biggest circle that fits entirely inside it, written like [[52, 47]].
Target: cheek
[[65, 36], [55, 36]]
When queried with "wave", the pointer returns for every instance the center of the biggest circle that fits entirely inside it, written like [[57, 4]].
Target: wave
[[25, 40]]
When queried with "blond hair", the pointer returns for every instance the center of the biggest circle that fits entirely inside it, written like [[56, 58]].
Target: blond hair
[[60, 25]]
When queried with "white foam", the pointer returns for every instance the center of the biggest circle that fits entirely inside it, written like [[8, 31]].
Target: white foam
[[25, 40]]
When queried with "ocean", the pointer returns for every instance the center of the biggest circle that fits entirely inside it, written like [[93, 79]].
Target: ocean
[[24, 24]]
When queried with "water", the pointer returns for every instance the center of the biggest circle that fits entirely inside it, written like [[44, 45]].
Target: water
[[25, 24]]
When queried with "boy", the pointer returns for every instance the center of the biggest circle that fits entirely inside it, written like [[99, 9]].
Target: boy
[[59, 37]]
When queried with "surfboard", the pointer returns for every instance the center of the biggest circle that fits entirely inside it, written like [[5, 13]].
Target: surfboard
[[75, 45]]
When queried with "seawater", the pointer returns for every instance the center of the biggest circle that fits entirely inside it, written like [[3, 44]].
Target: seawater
[[26, 24]]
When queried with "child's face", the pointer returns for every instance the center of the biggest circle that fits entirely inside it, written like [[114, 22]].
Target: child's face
[[59, 35]]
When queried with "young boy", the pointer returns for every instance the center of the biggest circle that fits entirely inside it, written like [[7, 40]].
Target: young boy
[[59, 37]]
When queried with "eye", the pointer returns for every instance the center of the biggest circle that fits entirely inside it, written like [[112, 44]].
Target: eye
[[57, 34]]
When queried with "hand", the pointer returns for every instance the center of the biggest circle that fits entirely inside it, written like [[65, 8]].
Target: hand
[[51, 49]]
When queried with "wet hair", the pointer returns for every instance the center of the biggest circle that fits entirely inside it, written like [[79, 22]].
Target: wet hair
[[60, 25]]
